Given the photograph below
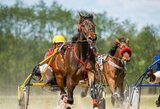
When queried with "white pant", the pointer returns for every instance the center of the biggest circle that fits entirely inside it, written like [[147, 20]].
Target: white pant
[[49, 71], [157, 80]]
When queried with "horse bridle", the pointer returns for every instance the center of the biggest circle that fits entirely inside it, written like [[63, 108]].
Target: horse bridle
[[90, 29], [121, 52], [117, 58]]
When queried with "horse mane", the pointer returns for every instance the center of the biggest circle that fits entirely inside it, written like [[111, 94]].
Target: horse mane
[[122, 39], [85, 15], [112, 51], [115, 46], [75, 38]]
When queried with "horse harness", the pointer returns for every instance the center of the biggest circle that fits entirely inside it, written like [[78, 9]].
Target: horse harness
[[122, 69], [84, 63]]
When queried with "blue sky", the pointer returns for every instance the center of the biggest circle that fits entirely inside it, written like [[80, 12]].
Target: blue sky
[[141, 12]]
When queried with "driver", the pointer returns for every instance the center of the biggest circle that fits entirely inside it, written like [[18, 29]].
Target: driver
[[153, 78], [57, 42]]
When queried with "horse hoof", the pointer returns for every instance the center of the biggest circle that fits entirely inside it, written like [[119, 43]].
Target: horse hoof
[[68, 107]]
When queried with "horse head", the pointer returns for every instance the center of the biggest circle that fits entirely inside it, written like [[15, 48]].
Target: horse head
[[86, 27], [123, 51]]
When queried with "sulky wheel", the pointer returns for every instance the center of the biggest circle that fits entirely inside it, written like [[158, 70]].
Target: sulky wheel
[[102, 104], [101, 96], [23, 101], [102, 101]]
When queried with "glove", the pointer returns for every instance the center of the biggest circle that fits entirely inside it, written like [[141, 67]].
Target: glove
[[151, 76]]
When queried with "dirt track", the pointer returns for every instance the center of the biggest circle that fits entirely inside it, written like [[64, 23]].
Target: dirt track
[[44, 99], [49, 102]]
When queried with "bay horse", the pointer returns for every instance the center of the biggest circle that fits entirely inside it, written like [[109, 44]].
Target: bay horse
[[114, 69], [77, 62]]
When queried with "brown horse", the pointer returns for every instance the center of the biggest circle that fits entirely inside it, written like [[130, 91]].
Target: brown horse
[[114, 69], [77, 62]]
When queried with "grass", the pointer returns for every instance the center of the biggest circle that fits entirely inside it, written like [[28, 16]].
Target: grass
[[148, 102]]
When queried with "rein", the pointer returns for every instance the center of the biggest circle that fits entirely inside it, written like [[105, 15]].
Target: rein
[[123, 69], [115, 65]]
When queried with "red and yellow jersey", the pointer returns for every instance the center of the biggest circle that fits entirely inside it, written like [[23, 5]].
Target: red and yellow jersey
[[48, 53]]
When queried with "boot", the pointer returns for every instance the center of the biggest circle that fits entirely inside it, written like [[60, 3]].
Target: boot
[[37, 74]]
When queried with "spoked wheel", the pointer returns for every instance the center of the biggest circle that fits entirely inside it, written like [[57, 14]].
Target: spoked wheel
[[121, 103], [118, 104], [100, 86], [24, 99], [116, 99], [101, 97], [126, 103], [134, 96], [102, 102]]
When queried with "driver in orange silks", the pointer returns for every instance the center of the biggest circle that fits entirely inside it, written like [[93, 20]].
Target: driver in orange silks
[[57, 42]]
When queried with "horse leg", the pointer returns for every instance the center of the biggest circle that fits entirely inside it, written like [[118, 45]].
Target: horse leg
[[121, 91], [60, 82], [121, 88], [93, 90], [62, 97], [70, 88], [111, 83], [121, 99]]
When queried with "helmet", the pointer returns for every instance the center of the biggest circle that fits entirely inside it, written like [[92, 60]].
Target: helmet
[[58, 38]]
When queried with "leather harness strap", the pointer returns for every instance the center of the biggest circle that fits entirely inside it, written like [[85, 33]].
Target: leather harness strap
[[82, 62]]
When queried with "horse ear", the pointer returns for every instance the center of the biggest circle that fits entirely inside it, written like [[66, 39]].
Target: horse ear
[[80, 18], [127, 41], [117, 41]]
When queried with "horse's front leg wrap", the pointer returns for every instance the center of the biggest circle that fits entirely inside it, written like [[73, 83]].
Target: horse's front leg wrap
[[70, 96]]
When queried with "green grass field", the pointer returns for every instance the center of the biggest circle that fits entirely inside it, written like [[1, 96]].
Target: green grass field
[[49, 102]]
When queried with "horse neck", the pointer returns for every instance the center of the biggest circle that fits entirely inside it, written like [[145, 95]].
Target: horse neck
[[83, 48], [116, 58]]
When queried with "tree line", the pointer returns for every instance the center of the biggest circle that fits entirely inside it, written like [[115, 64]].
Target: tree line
[[26, 33]]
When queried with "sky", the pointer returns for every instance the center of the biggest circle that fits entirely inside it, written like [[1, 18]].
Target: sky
[[140, 12]]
